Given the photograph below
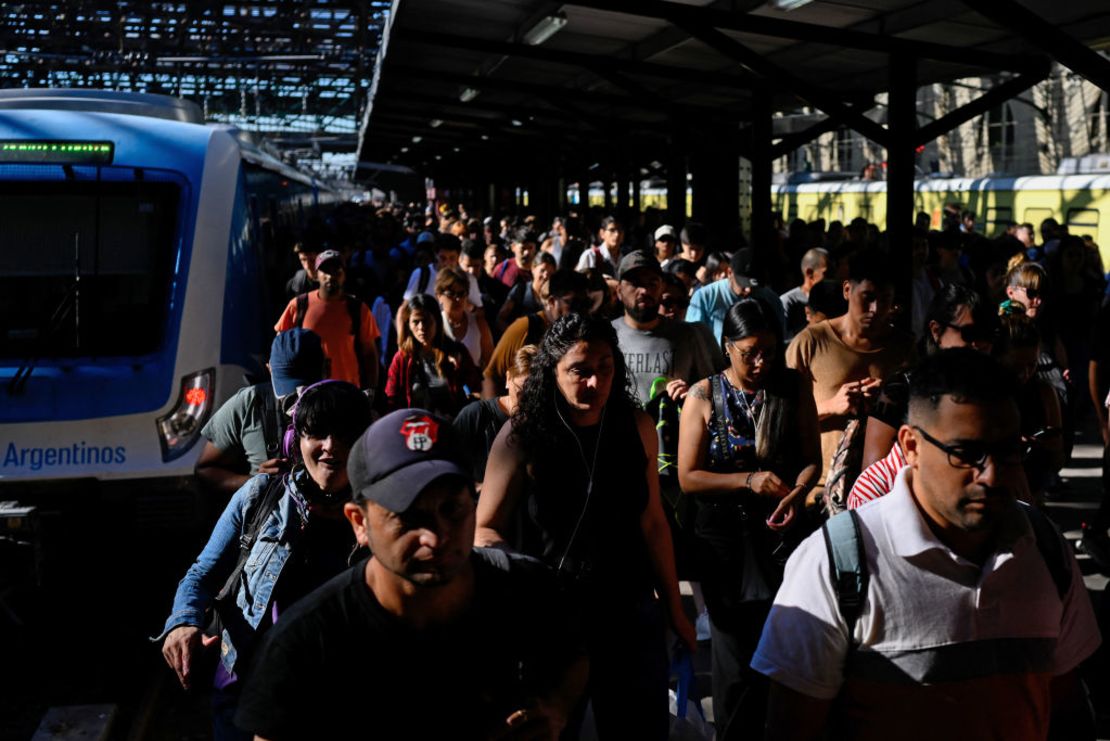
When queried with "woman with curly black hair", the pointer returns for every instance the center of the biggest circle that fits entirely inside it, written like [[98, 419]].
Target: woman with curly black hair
[[578, 458]]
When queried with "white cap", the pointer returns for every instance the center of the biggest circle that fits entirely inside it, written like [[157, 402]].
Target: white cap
[[666, 231]]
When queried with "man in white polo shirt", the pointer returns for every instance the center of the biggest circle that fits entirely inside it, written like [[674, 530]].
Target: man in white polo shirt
[[971, 626]]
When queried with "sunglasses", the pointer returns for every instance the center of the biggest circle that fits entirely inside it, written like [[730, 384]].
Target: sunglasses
[[972, 333], [672, 302], [453, 295], [1032, 293], [974, 454], [758, 355]]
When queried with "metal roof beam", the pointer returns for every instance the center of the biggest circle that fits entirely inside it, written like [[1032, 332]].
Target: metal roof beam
[[790, 142], [587, 61], [842, 37], [482, 104], [995, 96], [548, 92], [814, 94], [1040, 33]]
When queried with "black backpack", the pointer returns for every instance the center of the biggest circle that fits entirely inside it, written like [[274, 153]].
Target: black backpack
[[680, 508], [536, 329]]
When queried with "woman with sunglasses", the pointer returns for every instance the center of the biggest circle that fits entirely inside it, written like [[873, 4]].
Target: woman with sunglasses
[[749, 451], [429, 371], [301, 541], [1027, 288], [460, 323], [1041, 417]]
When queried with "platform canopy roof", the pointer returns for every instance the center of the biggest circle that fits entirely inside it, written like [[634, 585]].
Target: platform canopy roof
[[294, 70], [462, 83]]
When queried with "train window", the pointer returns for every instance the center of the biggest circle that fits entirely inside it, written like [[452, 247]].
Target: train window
[[998, 220], [1035, 216], [1082, 218], [85, 268]]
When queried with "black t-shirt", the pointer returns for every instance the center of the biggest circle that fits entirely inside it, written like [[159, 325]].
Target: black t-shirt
[[337, 665], [300, 283], [478, 424], [892, 405], [1100, 345]]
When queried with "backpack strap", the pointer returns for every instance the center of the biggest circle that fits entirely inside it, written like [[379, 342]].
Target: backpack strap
[[354, 309], [535, 330], [425, 276], [254, 517], [272, 422], [720, 428], [1052, 551], [848, 564], [302, 310]]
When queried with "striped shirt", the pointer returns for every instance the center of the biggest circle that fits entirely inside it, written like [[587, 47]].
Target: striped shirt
[[877, 479]]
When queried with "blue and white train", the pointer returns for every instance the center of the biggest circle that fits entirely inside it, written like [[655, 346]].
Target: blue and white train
[[139, 249]]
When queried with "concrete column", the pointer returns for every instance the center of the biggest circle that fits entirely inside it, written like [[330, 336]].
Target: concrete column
[[759, 141]]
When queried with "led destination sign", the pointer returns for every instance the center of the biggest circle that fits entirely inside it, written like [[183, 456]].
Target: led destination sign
[[56, 152]]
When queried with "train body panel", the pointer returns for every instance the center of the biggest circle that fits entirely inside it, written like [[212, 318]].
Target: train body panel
[[134, 293]]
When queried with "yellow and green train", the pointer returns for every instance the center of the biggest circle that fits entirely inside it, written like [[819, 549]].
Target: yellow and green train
[[1076, 200]]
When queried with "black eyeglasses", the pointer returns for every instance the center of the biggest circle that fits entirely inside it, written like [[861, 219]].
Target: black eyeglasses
[[1032, 293], [971, 333], [974, 454]]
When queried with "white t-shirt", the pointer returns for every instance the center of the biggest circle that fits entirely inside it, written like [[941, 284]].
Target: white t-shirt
[[942, 645], [413, 286], [472, 340], [589, 259]]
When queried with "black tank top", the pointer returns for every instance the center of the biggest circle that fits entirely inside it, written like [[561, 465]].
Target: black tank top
[[597, 546]]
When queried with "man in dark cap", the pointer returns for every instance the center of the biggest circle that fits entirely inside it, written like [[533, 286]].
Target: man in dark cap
[[711, 302], [654, 346], [429, 637], [345, 325], [244, 435]]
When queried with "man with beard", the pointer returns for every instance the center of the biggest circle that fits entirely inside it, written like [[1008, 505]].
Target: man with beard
[[848, 357], [345, 325], [428, 637], [968, 615], [653, 345]]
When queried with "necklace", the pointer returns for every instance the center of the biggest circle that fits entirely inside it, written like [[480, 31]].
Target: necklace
[[749, 407]]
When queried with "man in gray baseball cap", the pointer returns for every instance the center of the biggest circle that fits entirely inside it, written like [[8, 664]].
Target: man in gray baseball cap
[[427, 621]]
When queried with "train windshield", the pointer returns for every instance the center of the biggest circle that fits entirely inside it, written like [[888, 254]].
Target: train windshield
[[85, 266]]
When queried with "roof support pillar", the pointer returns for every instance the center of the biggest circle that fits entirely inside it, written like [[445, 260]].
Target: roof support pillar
[[715, 167], [584, 179], [900, 157], [622, 202], [760, 156], [676, 184]]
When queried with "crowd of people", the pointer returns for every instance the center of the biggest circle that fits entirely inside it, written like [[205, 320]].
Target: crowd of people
[[488, 453]]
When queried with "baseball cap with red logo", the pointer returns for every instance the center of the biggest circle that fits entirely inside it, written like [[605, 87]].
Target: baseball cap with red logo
[[400, 454]]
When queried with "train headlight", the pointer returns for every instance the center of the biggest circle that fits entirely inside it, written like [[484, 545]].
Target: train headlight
[[180, 429]]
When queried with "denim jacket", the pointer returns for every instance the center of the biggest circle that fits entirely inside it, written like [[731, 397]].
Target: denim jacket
[[204, 579]]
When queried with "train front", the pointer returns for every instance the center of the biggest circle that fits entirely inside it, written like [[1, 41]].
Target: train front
[[113, 251]]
